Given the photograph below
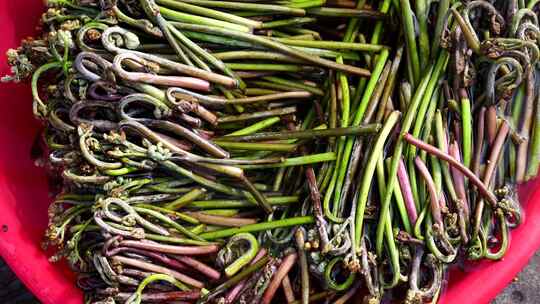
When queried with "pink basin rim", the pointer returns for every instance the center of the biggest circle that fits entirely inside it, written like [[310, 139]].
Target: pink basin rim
[[24, 198]]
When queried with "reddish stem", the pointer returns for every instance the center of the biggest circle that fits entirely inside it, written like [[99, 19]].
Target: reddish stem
[[315, 196], [457, 133], [161, 297], [496, 150], [434, 197], [453, 162], [199, 266], [181, 144], [282, 271], [480, 141], [233, 293], [156, 256], [406, 190], [287, 289], [182, 250], [458, 179], [135, 273], [492, 162], [491, 124], [158, 269]]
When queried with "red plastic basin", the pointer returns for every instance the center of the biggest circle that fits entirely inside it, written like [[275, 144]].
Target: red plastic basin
[[24, 196]]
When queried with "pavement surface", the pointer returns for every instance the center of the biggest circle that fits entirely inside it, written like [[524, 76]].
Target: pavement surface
[[525, 289]]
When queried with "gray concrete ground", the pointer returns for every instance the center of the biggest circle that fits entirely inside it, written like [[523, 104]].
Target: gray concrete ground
[[526, 286], [525, 289]]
